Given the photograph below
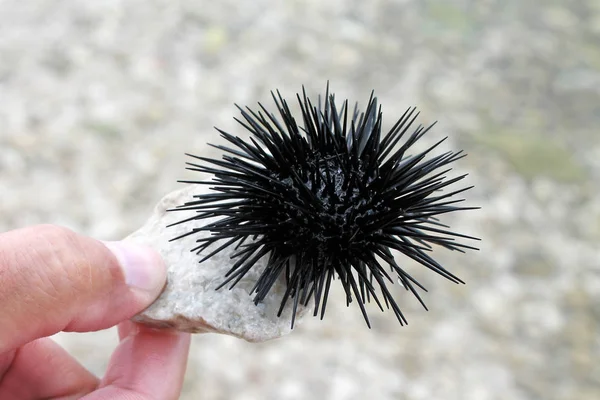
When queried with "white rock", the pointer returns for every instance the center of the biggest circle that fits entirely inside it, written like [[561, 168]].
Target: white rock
[[189, 301]]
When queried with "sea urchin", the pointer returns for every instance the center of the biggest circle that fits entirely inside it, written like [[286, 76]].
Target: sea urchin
[[329, 199]]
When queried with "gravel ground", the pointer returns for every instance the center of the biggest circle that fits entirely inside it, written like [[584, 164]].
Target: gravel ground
[[99, 101]]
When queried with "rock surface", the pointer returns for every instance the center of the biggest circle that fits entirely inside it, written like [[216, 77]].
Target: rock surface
[[190, 301]]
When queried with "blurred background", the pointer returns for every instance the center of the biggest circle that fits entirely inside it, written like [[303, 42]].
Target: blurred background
[[99, 101]]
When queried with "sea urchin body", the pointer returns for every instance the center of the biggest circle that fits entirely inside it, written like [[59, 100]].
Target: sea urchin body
[[329, 199]]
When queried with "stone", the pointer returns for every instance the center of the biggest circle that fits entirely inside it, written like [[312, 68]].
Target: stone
[[190, 301]]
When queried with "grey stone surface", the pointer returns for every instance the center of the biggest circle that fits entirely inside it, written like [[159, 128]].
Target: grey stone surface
[[190, 301], [99, 101]]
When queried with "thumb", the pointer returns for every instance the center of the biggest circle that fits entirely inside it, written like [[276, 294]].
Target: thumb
[[52, 280]]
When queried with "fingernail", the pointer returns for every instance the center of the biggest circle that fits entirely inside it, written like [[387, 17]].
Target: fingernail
[[142, 266]]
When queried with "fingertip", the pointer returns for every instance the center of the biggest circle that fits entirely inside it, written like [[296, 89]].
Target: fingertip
[[143, 268], [130, 328], [163, 353], [126, 329]]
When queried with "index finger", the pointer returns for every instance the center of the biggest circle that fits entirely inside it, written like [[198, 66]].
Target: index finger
[[147, 364]]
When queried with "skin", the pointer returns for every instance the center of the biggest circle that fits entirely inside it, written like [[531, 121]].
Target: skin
[[53, 280]]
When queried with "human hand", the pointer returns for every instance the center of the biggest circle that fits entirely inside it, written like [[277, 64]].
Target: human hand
[[52, 280]]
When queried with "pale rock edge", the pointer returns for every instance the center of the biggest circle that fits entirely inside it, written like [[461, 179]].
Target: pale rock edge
[[189, 301]]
